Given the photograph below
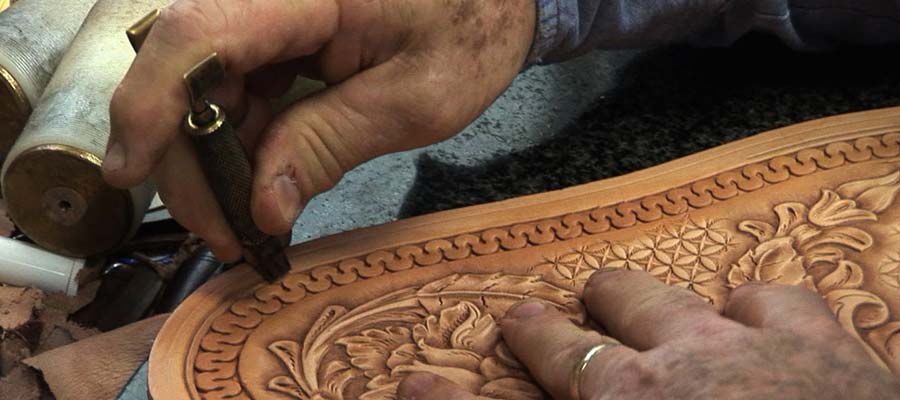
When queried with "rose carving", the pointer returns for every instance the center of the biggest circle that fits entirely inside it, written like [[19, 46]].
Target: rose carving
[[462, 344], [810, 246], [446, 328]]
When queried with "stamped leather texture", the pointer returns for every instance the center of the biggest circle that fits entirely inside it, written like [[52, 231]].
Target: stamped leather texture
[[812, 205]]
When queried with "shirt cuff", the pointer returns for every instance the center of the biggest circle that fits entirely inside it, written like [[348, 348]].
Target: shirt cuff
[[546, 30]]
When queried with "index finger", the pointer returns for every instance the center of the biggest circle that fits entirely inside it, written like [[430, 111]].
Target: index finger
[[644, 313], [147, 109]]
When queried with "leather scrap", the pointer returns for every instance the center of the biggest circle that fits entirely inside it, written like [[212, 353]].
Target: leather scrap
[[13, 349], [17, 306], [54, 314], [98, 367], [69, 304], [20, 384]]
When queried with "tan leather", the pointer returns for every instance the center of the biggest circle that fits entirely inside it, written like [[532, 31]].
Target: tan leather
[[20, 384], [813, 204], [17, 306], [98, 367]]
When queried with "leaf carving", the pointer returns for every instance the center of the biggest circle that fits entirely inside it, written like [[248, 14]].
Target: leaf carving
[[832, 210], [789, 216], [777, 262], [803, 233], [857, 309], [852, 190], [847, 303], [371, 350], [875, 195], [337, 376], [854, 238], [286, 385], [847, 275], [886, 340], [824, 254], [288, 352], [511, 287]]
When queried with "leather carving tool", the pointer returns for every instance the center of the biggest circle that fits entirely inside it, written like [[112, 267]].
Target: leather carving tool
[[223, 159]]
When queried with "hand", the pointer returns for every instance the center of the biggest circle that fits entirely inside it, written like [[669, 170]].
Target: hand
[[772, 342], [405, 73]]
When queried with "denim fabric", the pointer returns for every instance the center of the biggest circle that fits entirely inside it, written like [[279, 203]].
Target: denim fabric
[[567, 28]]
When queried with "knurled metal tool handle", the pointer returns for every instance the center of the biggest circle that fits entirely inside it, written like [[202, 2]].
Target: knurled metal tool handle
[[229, 173]]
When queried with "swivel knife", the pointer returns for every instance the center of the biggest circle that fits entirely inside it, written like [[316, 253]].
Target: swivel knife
[[223, 159]]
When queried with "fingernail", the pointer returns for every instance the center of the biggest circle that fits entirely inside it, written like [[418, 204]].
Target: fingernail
[[115, 158], [288, 197], [416, 386], [527, 309]]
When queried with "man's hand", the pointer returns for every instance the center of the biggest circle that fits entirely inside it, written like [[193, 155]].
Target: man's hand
[[405, 73], [774, 342]]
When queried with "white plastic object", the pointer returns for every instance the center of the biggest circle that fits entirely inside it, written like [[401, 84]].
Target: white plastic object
[[23, 264]]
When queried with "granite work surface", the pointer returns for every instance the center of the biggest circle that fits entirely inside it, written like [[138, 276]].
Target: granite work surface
[[604, 115]]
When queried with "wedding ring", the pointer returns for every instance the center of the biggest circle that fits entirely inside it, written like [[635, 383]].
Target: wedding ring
[[575, 379]]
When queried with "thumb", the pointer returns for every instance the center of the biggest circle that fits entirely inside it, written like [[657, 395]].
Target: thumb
[[308, 148]]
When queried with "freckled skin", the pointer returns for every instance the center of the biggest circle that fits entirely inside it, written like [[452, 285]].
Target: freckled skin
[[676, 346], [403, 74]]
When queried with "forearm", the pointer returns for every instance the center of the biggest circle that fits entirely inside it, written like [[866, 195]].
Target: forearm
[[567, 28]]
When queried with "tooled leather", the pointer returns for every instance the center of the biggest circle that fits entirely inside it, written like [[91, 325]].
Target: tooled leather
[[215, 365]]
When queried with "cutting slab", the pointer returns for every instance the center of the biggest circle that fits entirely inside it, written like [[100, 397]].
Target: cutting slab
[[812, 205]]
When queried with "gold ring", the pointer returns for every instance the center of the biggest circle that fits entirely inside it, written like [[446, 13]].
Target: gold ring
[[575, 379]]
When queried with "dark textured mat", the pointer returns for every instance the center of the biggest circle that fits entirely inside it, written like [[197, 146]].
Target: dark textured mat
[[673, 102]]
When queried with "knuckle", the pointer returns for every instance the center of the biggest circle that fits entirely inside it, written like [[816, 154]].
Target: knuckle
[[675, 299], [185, 21], [566, 359], [637, 375], [433, 106], [715, 328], [299, 149], [681, 299]]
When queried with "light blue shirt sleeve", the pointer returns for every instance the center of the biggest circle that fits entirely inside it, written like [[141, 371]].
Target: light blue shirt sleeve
[[567, 28]]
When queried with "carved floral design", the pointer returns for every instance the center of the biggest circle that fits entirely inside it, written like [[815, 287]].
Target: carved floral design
[[449, 327], [809, 247], [446, 328], [219, 347]]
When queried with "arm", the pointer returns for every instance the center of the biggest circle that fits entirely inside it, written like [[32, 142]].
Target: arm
[[571, 27]]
